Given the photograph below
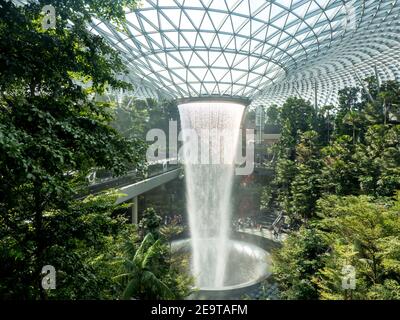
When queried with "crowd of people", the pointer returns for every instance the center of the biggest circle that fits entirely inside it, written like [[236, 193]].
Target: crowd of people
[[173, 219], [240, 224], [248, 222]]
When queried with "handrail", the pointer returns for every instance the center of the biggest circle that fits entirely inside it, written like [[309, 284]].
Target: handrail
[[125, 180], [277, 220], [92, 177]]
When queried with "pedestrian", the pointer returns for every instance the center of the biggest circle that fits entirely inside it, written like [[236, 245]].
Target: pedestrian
[[276, 233]]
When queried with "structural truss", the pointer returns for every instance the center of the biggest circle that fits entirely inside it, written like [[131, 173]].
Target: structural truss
[[265, 50]]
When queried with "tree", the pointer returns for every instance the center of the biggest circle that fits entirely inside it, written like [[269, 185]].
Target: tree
[[144, 270], [74, 239], [364, 234], [306, 188], [273, 115], [389, 96], [131, 117], [297, 116], [267, 197], [325, 123], [135, 117], [379, 161], [351, 231], [339, 190], [296, 264], [286, 171], [152, 274], [348, 101], [52, 130], [150, 223], [353, 119], [170, 231], [339, 172]]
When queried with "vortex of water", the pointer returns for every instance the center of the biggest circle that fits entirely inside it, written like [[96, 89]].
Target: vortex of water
[[211, 133]]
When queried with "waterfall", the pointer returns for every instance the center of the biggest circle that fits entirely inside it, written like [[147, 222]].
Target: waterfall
[[211, 133]]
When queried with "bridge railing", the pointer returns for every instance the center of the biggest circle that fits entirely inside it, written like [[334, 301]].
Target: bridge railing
[[100, 179]]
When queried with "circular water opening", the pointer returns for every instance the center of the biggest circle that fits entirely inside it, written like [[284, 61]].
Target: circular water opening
[[247, 264]]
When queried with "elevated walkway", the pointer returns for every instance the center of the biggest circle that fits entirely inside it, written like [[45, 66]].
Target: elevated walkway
[[132, 184], [135, 189], [265, 233]]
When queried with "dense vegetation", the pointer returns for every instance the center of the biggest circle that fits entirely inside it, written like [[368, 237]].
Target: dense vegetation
[[53, 130], [337, 175], [134, 118]]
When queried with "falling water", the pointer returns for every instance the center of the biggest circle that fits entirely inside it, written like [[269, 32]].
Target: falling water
[[211, 135]]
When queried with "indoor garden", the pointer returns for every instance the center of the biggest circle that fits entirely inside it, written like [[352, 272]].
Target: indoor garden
[[199, 150]]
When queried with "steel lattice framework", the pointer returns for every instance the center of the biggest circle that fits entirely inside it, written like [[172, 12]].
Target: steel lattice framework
[[265, 50]]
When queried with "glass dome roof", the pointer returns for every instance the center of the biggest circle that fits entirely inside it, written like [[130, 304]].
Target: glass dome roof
[[258, 49]]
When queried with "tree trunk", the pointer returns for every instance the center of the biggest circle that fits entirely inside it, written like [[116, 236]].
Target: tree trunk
[[38, 225]]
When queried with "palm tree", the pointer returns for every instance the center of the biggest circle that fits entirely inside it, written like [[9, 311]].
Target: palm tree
[[170, 231], [326, 112], [352, 118], [144, 270]]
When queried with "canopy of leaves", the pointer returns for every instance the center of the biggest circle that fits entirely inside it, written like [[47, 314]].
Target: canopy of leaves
[[338, 183], [52, 131]]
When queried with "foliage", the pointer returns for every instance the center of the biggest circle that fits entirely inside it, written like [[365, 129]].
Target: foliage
[[134, 118], [267, 197], [131, 267], [52, 131], [150, 275], [297, 262], [336, 177], [306, 185], [273, 114], [72, 239], [346, 152], [297, 116], [142, 272], [364, 234], [355, 231], [297, 119], [339, 171], [171, 230], [150, 223], [379, 160]]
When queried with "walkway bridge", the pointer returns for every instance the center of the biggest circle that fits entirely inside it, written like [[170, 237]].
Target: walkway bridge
[[133, 184]]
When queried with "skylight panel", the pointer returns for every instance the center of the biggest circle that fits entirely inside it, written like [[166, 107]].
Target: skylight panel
[[239, 40], [165, 24]]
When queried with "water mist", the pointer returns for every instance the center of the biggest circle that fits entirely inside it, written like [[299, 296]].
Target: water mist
[[211, 133]]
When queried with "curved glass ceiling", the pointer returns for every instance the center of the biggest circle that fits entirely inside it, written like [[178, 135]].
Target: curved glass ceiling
[[258, 49]]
